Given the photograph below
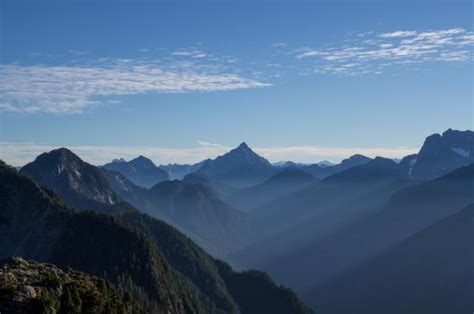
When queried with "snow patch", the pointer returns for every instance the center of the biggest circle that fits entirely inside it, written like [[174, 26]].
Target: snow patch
[[122, 183], [60, 168], [461, 152], [412, 162], [110, 199]]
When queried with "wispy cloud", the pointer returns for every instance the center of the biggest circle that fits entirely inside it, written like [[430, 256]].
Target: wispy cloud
[[279, 45], [79, 52], [22, 153], [398, 34], [75, 88], [190, 53], [373, 53], [209, 144]]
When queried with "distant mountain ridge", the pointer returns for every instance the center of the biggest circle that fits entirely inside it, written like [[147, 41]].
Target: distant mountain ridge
[[179, 171], [141, 171], [406, 212], [432, 271], [325, 170], [286, 181], [193, 208], [289, 221]]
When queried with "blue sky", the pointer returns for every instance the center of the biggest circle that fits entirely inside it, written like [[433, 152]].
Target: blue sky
[[181, 81]]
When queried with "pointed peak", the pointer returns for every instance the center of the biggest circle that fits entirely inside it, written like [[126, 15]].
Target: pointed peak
[[243, 148], [141, 158], [143, 161], [243, 145]]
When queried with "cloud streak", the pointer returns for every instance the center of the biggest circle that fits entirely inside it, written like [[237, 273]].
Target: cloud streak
[[75, 88], [373, 53], [22, 153]]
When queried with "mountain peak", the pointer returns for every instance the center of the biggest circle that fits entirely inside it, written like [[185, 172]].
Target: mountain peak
[[62, 151], [60, 156], [355, 160], [64, 172], [381, 162], [140, 170], [119, 160], [243, 151], [239, 167], [243, 146], [143, 161], [141, 158]]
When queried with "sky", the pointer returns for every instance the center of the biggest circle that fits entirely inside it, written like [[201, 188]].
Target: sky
[[180, 81]]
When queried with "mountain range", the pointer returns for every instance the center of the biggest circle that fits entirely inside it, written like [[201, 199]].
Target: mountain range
[[179, 171], [367, 235], [192, 208], [428, 272], [160, 267], [284, 182], [405, 211]]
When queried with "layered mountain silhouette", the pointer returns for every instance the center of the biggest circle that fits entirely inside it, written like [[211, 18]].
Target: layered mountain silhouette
[[431, 271], [141, 171], [363, 236], [178, 171], [284, 182], [160, 267], [294, 220], [363, 188], [199, 212], [323, 196], [408, 210], [324, 170], [241, 167], [221, 189], [192, 208]]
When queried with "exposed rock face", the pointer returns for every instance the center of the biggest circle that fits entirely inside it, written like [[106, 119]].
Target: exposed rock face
[[32, 287], [63, 171], [441, 154]]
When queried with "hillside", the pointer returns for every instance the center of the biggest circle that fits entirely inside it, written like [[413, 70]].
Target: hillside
[[431, 271], [194, 209], [408, 210], [284, 182], [32, 287], [154, 262]]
